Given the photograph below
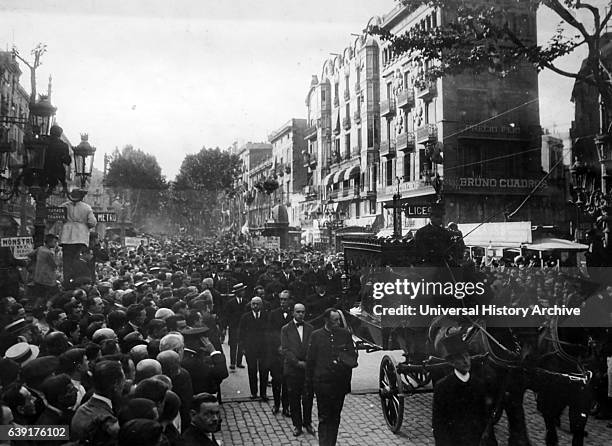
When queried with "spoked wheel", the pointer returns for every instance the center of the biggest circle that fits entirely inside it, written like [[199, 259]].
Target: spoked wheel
[[391, 394]]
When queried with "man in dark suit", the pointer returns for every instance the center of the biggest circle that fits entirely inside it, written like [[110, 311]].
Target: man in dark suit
[[295, 337], [277, 319], [459, 412], [330, 361], [253, 328], [205, 421], [233, 311]]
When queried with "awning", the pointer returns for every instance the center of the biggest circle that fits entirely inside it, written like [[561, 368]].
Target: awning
[[339, 175], [327, 179], [352, 172], [556, 244]]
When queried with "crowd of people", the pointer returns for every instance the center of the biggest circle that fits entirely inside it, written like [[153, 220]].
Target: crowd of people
[[132, 354]]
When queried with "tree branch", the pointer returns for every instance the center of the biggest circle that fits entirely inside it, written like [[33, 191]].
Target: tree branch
[[567, 16], [604, 21]]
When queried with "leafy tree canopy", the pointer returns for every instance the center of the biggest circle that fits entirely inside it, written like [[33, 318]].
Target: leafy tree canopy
[[484, 37], [134, 169], [209, 169]]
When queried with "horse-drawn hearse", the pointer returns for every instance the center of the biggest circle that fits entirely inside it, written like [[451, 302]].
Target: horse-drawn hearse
[[547, 357]]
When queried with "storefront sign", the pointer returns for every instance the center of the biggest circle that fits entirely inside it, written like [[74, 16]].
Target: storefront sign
[[56, 213], [20, 246], [105, 217], [502, 183], [417, 210]]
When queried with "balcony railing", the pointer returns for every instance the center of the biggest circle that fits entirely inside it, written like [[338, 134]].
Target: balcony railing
[[426, 134], [405, 141], [310, 191], [357, 117], [310, 131], [347, 95], [336, 101], [346, 123], [405, 98], [387, 108], [334, 194], [387, 148], [427, 91]]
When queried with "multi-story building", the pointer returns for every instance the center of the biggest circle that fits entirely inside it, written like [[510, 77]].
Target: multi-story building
[[288, 144], [474, 137], [261, 203], [251, 155], [14, 111], [343, 136]]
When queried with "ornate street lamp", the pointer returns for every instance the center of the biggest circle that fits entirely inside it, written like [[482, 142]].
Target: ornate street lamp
[[83, 159], [604, 153]]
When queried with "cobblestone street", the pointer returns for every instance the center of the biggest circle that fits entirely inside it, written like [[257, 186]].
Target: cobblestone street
[[252, 423]]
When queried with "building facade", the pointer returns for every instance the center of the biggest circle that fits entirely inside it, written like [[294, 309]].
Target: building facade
[[472, 139], [343, 138], [288, 144]]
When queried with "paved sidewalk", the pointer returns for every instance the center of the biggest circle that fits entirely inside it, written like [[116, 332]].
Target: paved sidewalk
[[252, 423]]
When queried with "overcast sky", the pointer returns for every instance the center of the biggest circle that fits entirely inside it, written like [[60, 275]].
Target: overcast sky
[[171, 76]]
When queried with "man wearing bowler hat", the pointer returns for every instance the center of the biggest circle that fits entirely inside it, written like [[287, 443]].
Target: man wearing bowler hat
[[232, 312], [459, 413], [433, 241]]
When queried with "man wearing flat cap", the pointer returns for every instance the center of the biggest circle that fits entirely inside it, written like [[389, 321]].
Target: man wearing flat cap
[[459, 412]]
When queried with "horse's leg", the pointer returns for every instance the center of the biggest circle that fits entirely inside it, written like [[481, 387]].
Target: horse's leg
[[516, 417], [581, 400]]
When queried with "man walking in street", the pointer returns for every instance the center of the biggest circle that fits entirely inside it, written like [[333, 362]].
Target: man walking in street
[[232, 312], [330, 361], [253, 328], [295, 337], [277, 319]]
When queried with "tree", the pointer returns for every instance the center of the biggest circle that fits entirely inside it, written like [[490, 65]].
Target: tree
[[139, 176], [481, 37], [203, 181]]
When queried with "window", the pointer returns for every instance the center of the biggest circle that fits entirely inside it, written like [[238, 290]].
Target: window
[[336, 95], [407, 167], [359, 142], [323, 96], [348, 110], [347, 145], [346, 83], [389, 90], [389, 166], [358, 74]]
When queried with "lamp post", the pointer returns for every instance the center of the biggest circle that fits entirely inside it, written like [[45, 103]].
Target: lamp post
[[83, 160]]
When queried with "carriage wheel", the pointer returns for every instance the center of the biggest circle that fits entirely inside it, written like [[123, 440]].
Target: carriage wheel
[[391, 393]]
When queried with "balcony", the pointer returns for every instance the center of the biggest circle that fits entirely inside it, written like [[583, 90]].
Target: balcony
[[346, 123], [405, 142], [427, 134], [387, 108], [333, 195], [356, 151], [347, 95], [405, 99], [427, 91], [387, 148], [311, 132], [357, 117], [310, 191], [336, 101], [357, 88]]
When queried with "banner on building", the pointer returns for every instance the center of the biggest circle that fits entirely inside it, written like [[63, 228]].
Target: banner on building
[[20, 246]]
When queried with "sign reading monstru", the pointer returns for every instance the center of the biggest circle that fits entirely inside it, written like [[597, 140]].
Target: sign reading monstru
[[56, 213], [105, 217], [20, 246], [421, 210]]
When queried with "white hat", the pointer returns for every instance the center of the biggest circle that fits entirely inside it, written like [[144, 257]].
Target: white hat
[[22, 353]]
